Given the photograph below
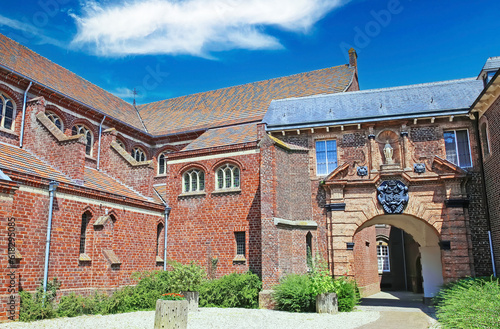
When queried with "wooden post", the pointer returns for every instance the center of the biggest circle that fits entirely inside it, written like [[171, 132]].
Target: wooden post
[[171, 314], [327, 303]]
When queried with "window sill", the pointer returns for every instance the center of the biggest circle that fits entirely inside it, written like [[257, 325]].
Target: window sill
[[239, 260], [161, 176], [8, 131], [227, 191], [88, 157], [192, 194], [84, 258]]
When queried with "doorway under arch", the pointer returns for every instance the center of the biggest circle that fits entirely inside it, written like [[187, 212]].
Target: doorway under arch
[[427, 239]]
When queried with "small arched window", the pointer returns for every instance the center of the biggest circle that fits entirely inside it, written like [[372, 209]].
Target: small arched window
[[138, 154], [81, 129], [7, 112], [227, 177], [83, 233], [485, 139], [162, 163], [159, 231], [193, 181], [55, 120], [119, 142]]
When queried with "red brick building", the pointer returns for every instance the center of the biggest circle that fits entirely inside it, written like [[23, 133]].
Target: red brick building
[[244, 178]]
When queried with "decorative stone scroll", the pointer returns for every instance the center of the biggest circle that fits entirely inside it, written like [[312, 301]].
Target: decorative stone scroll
[[393, 196]]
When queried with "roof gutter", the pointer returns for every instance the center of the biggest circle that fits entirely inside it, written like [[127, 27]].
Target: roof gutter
[[21, 138], [72, 99]]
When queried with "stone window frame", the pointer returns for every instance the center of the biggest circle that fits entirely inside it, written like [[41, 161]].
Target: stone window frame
[[228, 177], [328, 170], [456, 147], [162, 163], [193, 176], [56, 120], [138, 154], [5, 100], [383, 253], [78, 129]]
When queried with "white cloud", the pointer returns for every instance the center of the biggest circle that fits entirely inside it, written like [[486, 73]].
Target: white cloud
[[194, 27]]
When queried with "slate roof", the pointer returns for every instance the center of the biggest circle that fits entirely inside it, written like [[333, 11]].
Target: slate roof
[[4, 176], [239, 104], [224, 136], [22, 161], [422, 100], [30, 64], [492, 63]]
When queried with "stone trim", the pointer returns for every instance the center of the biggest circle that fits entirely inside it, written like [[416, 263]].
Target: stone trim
[[51, 127], [307, 224], [111, 257], [128, 157]]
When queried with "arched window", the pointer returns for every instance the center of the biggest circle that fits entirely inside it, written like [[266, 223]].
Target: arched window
[[7, 112], [138, 154], [227, 177], [81, 129], [193, 181], [485, 139], [85, 221], [384, 264], [119, 142], [55, 120], [162, 163], [159, 231]]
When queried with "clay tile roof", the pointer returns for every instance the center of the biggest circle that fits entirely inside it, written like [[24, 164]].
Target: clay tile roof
[[161, 189], [29, 64], [239, 104], [224, 136], [19, 160], [98, 180]]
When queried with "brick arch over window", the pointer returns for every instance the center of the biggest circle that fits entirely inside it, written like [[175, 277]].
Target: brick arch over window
[[227, 176], [135, 145], [161, 160], [62, 116], [123, 141], [192, 166], [193, 179], [227, 160], [16, 97]]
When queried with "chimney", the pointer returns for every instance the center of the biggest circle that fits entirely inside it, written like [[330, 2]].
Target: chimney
[[353, 58]]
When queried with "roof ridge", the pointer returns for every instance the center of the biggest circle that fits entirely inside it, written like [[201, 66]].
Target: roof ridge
[[119, 182], [141, 107], [368, 91]]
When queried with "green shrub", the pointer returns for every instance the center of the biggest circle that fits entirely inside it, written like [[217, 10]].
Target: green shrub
[[295, 294], [75, 305], [185, 277], [232, 290], [469, 303], [37, 306], [347, 293]]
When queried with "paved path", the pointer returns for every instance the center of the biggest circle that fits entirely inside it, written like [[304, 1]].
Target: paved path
[[399, 309]]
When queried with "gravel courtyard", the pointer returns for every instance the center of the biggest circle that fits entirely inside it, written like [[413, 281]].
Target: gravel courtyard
[[212, 318]]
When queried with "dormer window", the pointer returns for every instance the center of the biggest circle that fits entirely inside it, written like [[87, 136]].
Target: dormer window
[[7, 112], [81, 129], [489, 76], [138, 154], [55, 120]]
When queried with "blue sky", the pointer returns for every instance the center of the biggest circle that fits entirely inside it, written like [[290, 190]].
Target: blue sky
[[169, 48]]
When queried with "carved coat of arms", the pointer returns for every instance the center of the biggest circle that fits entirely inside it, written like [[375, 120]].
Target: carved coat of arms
[[393, 196]]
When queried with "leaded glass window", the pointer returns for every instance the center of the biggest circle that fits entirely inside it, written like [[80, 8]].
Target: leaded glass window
[[138, 154], [81, 129], [193, 181], [55, 120], [227, 177]]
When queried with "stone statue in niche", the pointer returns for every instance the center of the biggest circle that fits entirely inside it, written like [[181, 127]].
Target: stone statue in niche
[[393, 196], [388, 153]]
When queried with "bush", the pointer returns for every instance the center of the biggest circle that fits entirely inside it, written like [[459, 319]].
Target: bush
[[74, 305], [233, 290], [469, 303], [347, 293], [185, 277], [295, 294], [35, 306]]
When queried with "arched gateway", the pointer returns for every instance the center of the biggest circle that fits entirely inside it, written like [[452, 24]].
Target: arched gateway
[[430, 207]]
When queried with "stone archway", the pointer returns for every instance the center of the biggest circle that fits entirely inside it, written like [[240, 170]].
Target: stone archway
[[428, 239]]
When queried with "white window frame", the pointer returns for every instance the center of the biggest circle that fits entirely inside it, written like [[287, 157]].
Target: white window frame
[[383, 259], [222, 173], [328, 169], [83, 130], [456, 146], [54, 118], [195, 176], [5, 101], [138, 154], [164, 155]]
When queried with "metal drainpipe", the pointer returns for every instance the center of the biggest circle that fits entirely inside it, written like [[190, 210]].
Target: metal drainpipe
[[52, 188], [99, 147], [23, 115], [165, 229]]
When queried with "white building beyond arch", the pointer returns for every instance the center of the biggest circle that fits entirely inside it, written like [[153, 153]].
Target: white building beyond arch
[[428, 239]]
